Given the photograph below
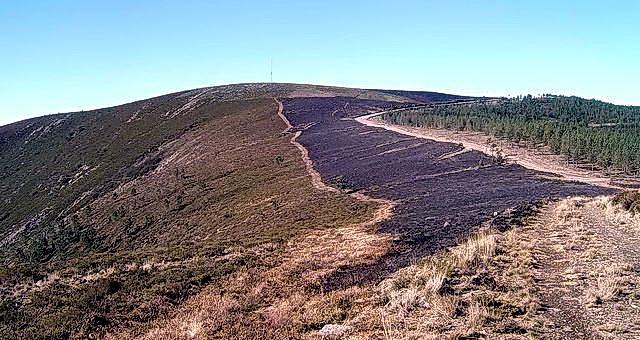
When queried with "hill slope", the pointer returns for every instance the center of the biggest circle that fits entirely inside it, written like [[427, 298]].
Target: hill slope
[[252, 210], [110, 218]]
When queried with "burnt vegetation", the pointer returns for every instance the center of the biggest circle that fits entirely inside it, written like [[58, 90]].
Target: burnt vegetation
[[410, 170]]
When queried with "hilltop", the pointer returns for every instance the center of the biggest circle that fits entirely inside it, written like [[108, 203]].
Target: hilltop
[[271, 210]]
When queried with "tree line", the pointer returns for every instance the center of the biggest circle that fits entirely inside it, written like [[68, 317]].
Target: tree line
[[585, 130]]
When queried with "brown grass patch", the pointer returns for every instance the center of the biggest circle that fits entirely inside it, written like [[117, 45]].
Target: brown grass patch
[[284, 302], [481, 287]]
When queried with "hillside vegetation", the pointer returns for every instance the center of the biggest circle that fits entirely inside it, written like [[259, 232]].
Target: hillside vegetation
[[112, 218], [586, 131]]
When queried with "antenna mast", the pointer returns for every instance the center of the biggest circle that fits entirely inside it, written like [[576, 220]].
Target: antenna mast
[[271, 70]]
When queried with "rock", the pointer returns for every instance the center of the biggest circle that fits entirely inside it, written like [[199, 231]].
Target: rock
[[334, 331]]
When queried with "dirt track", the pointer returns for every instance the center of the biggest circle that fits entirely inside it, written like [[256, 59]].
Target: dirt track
[[586, 273], [477, 141], [316, 179]]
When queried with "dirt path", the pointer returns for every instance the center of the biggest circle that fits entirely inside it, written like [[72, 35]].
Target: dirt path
[[586, 270], [478, 141], [316, 179], [386, 206]]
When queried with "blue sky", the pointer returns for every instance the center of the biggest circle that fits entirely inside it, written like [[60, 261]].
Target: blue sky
[[60, 56]]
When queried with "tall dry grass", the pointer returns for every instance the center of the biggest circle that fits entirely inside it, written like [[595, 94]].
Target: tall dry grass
[[434, 298]]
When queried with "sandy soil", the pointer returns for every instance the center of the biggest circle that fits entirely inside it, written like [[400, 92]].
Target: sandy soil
[[539, 160]]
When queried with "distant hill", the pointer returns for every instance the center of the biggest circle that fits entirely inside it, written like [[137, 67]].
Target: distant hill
[[426, 97]]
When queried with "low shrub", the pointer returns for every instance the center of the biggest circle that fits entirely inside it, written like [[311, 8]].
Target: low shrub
[[628, 200]]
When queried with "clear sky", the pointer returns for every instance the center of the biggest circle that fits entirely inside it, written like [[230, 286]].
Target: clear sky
[[60, 56]]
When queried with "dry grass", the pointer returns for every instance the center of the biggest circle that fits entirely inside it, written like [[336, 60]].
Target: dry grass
[[283, 302], [477, 313], [608, 283], [471, 290], [629, 200], [605, 289], [478, 249]]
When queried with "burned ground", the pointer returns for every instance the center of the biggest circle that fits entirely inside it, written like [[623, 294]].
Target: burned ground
[[439, 200]]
